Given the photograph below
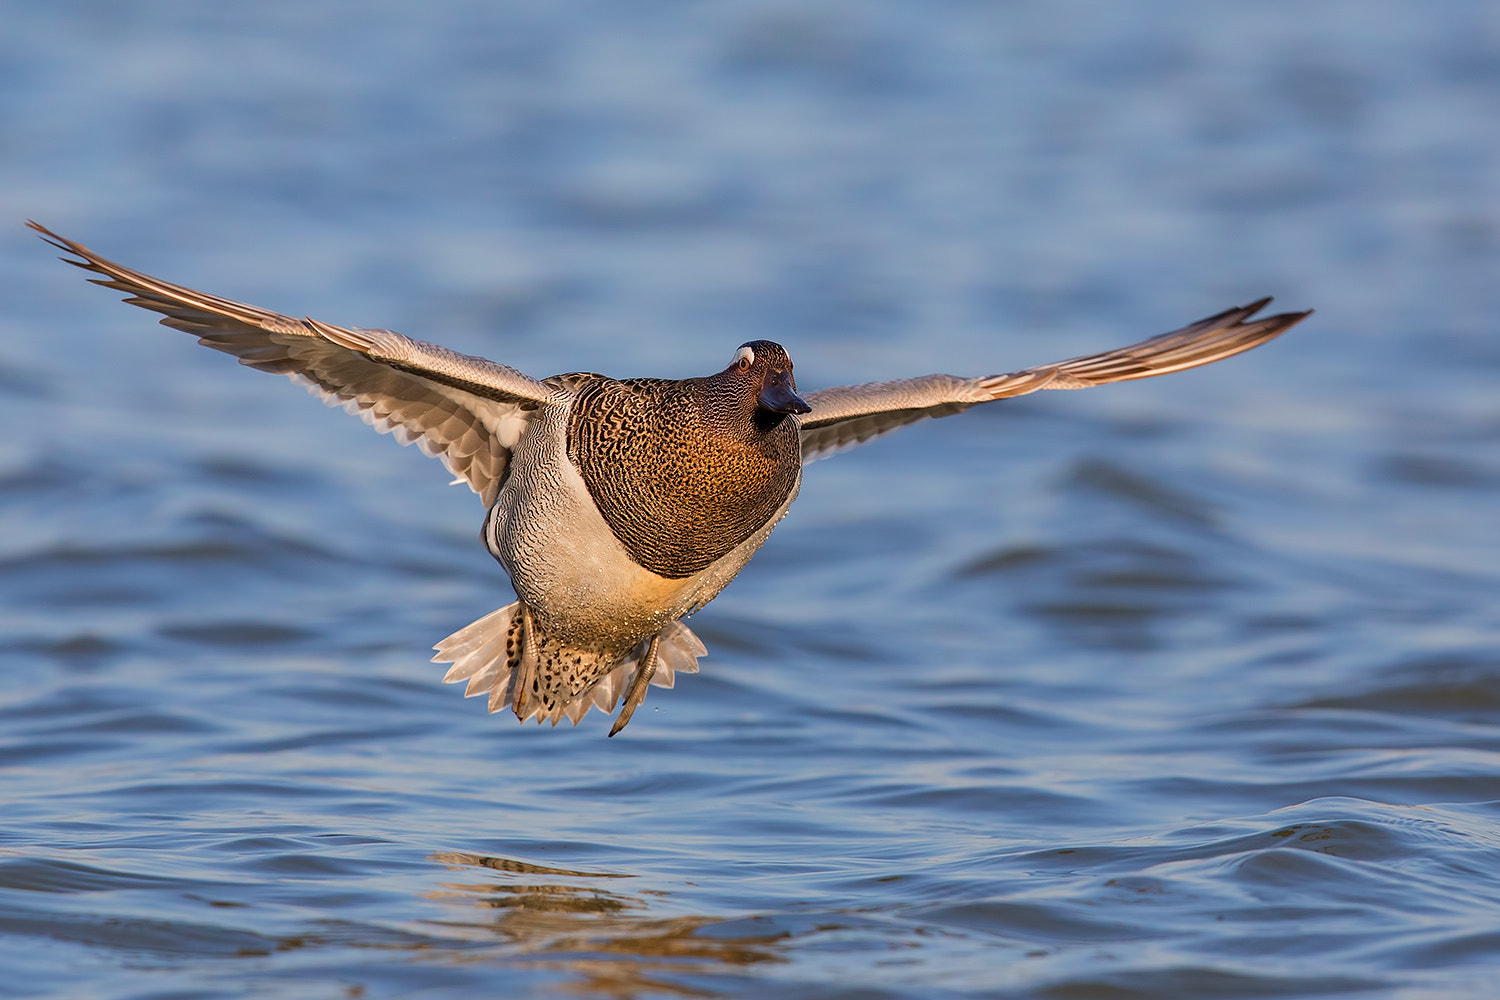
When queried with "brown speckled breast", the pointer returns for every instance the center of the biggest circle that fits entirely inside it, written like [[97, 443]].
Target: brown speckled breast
[[676, 491]]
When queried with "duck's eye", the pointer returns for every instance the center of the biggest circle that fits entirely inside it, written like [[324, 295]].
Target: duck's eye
[[744, 359], [744, 364]]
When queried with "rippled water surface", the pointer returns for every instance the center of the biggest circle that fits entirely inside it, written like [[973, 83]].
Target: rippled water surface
[[1183, 688]]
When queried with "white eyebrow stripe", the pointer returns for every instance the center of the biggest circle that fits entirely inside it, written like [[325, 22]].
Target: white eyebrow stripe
[[746, 353]]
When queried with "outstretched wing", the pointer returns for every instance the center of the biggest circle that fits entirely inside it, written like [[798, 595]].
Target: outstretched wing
[[466, 410], [853, 414]]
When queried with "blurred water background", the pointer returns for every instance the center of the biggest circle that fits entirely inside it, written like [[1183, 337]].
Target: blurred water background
[[1183, 688]]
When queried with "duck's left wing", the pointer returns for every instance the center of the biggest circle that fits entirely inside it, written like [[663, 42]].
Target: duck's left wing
[[853, 414], [468, 411]]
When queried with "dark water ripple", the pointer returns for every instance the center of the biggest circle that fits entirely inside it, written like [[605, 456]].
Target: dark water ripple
[[1186, 689]]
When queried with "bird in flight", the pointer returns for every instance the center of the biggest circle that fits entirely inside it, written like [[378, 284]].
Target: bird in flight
[[617, 506]]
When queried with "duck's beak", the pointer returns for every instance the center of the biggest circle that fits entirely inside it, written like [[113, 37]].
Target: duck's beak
[[778, 396]]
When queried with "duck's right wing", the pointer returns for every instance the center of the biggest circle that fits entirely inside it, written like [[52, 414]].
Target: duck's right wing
[[468, 411], [853, 414]]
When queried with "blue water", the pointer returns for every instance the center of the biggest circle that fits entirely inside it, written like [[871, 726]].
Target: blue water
[[1183, 688]]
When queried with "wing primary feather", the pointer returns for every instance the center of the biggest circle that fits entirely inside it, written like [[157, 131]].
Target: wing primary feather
[[850, 415], [467, 410]]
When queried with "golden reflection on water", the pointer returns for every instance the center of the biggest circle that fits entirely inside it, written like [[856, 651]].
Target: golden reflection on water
[[606, 939]]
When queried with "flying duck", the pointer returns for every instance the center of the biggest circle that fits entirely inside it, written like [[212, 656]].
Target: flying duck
[[617, 506]]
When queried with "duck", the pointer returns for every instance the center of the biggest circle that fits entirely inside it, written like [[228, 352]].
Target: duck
[[617, 507]]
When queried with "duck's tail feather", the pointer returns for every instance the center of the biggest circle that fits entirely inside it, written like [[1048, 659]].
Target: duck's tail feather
[[485, 653], [567, 682]]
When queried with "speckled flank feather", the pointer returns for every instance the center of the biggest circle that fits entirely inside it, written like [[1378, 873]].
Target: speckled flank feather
[[564, 680]]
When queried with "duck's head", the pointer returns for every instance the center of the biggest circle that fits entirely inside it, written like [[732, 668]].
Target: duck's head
[[762, 370]]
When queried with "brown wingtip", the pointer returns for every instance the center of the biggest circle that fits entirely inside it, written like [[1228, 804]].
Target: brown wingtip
[[47, 234], [1270, 326], [61, 242], [1283, 322], [1259, 304], [90, 260]]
